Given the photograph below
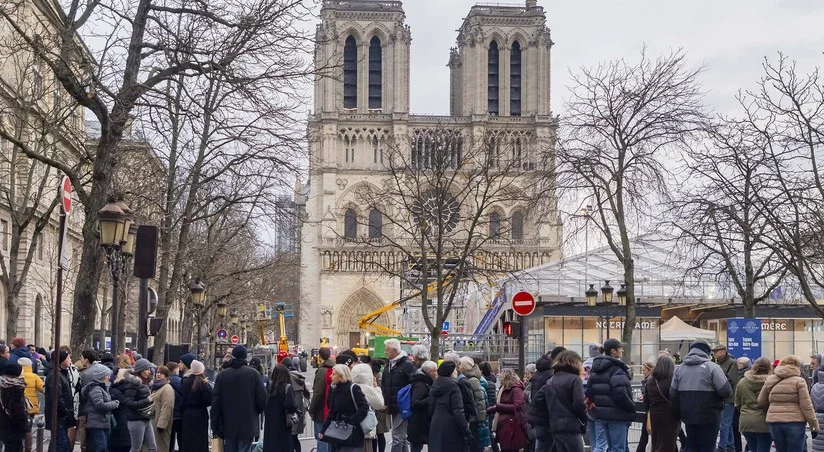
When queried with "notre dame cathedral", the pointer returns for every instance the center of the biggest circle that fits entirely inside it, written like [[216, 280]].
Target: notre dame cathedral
[[500, 85]]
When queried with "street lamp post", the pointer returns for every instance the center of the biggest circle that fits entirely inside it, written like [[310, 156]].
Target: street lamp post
[[198, 300], [606, 293], [117, 240]]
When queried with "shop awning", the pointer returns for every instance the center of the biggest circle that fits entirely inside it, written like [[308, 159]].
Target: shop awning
[[675, 329]]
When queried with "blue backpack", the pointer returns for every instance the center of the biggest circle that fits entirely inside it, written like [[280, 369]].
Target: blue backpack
[[405, 401]]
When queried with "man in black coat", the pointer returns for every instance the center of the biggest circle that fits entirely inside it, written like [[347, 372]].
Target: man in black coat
[[397, 374], [610, 389], [238, 399], [418, 433], [65, 402]]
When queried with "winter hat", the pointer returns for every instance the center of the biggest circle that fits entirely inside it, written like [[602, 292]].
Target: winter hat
[[12, 370], [446, 369], [97, 372], [719, 347], [289, 364], [198, 368], [140, 365], [702, 345], [107, 358], [137, 356], [345, 359], [187, 359], [594, 350], [24, 362], [744, 361], [61, 355], [18, 342], [611, 344], [239, 352]]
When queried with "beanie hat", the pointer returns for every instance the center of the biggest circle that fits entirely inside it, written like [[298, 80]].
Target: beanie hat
[[702, 345], [187, 359], [610, 345], [239, 352], [97, 372], [594, 350], [345, 359], [107, 358], [61, 355], [289, 364], [198, 368], [12, 370], [446, 369], [24, 361], [18, 342], [140, 365]]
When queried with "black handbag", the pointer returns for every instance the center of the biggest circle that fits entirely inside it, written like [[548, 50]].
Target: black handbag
[[339, 433], [147, 413]]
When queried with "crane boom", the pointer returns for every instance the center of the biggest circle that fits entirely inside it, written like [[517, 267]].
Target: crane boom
[[367, 322]]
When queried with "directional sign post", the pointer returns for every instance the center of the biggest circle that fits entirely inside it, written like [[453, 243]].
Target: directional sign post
[[65, 194]]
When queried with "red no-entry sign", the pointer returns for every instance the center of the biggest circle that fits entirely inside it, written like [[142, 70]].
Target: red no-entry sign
[[66, 194], [235, 339], [523, 303]]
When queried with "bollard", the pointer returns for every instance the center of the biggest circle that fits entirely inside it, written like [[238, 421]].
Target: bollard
[[39, 422]]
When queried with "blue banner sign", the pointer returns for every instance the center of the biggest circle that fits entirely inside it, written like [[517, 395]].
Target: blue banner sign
[[744, 338]]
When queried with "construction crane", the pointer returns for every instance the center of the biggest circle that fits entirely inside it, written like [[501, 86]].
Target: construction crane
[[367, 322], [264, 320]]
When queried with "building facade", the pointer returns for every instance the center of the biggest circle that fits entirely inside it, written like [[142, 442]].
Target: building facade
[[500, 76]]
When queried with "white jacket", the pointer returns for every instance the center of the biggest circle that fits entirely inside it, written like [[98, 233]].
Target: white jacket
[[362, 376]]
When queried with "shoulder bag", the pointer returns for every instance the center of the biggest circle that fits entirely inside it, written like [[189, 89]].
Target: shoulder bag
[[512, 433], [560, 423], [341, 433], [147, 413], [370, 422]]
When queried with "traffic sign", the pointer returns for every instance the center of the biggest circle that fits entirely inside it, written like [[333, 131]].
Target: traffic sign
[[523, 303], [222, 334], [444, 333], [445, 325], [66, 194], [235, 339]]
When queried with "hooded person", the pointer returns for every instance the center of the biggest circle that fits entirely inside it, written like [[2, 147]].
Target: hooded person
[[238, 399], [34, 385], [302, 396], [19, 349], [98, 405], [14, 417], [362, 376], [699, 388]]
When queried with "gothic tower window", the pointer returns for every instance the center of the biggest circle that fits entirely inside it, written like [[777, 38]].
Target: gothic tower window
[[350, 73], [515, 79], [517, 226], [493, 79], [375, 73], [494, 225], [350, 225], [375, 224]]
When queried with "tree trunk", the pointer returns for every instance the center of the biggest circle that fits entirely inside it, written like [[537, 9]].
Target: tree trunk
[[749, 310], [629, 323], [435, 344], [13, 312]]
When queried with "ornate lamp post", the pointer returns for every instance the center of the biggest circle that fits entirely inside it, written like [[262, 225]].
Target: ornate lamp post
[[198, 291], [234, 319], [606, 293], [117, 238]]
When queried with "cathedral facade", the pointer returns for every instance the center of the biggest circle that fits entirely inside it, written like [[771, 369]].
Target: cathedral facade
[[500, 87]]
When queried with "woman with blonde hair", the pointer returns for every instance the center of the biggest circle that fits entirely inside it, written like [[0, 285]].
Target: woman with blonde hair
[[789, 406], [509, 423], [347, 404]]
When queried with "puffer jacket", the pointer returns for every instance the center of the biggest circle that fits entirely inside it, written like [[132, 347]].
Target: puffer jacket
[[301, 400], [699, 388], [135, 394], [753, 416], [491, 389], [363, 378], [730, 368], [817, 395], [34, 384], [478, 393], [786, 397], [537, 413], [609, 388], [98, 406]]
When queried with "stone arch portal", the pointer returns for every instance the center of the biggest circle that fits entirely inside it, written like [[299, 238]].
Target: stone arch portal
[[359, 303]]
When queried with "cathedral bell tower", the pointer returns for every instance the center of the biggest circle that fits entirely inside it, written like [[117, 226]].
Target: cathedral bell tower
[[501, 65], [362, 55]]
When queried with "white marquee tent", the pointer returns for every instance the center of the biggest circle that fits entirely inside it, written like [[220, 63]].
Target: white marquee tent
[[676, 329]]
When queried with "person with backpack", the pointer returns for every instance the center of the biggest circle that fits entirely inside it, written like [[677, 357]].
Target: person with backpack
[[362, 377], [298, 382], [469, 371], [14, 416], [397, 374], [98, 406]]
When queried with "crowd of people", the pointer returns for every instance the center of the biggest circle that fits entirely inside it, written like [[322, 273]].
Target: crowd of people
[[125, 403]]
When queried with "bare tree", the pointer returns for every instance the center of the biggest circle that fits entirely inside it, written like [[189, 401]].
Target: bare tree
[[787, 112], [719, 212], [438, 212], [623, 118], [142, 49]]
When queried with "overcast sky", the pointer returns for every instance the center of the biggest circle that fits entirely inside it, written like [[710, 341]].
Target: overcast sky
[[729, 37]]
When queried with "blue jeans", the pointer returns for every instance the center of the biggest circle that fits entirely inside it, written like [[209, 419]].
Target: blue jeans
[[322, 447], [611, 436], [758, 442], [725, 436], [237, 445], [788, 436], [63, 440], [99, 437]]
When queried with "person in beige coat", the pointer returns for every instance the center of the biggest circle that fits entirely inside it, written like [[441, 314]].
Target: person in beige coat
[[362, 376], [789, 407], [163, 396]]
